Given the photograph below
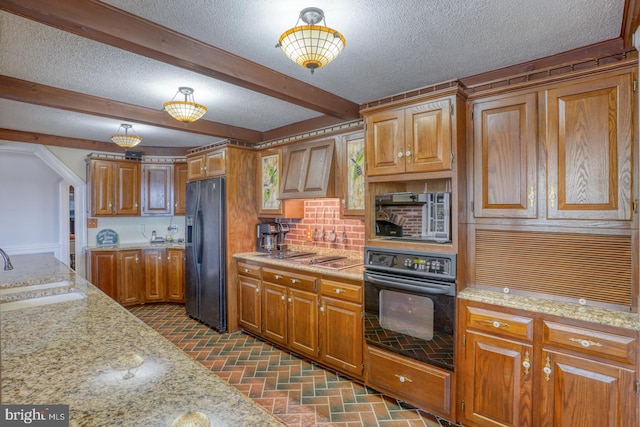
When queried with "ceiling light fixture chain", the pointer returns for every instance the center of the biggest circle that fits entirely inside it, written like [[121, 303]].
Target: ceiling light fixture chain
[[311, 46], [126, 140], [187, 111]]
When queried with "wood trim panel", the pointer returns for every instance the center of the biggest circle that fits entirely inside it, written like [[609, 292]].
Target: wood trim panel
[[594, 267], [103, 23]]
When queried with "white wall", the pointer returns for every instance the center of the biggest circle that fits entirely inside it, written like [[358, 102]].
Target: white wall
[[29, 203]]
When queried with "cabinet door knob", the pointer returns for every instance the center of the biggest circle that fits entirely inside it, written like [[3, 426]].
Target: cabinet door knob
[[526, 363], [257, 290], [282, 298], [547, 369], [408, 153], [552, 197], [531, 196], [400, 154]]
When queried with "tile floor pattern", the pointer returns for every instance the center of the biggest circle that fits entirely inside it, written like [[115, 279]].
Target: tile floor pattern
[[298, 392]]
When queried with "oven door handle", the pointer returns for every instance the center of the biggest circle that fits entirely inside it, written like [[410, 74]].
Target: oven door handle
[[406, 285]]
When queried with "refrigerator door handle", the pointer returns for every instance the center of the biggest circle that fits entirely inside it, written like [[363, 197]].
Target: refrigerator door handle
[[199, 231]]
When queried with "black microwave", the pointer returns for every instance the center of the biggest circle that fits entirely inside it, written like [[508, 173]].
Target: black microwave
[[414, 216]]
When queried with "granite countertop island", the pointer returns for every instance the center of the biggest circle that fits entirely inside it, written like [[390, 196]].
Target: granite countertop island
[[67, 343]]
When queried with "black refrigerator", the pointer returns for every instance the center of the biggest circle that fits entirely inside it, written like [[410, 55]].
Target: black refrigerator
[[205, 293]]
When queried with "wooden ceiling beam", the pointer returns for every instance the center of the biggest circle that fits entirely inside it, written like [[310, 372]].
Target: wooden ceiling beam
[[106, 24], [85, 144], [48, 96]]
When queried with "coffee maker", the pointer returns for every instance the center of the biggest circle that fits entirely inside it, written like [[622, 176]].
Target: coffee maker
[[267, 235], [270, 237]]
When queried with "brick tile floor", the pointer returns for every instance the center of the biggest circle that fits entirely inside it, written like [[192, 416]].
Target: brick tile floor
[[298, 392]]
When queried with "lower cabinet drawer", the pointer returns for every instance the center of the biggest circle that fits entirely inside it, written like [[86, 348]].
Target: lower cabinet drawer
[[424, 386], [589, 341]]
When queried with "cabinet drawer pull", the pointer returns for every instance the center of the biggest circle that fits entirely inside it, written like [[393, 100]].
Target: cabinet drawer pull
[[277, 276], [531, 197], [403, 379], [341, 291], [496, 323], [294, 281], [547, 369], [246, 270], [527, 363], [552, 197], [585, 343], [289, 299], [257, 290]]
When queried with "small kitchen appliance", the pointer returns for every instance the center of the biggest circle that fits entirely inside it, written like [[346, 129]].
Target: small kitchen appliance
[[267, 237]]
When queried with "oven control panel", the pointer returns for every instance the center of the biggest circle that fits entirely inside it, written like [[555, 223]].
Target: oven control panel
[[424, 263]]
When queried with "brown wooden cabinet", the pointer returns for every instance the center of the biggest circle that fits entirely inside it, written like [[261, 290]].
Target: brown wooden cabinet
[[130, 274], [505, 164], [180, 177], [589, 132], [155, 277], [175, 275], [308, 170], [206, 165], [524, 369], [138, 276], [341, 328], [416, 138], [249, 298], [586, 139], [103, 269], [290, 310], [114, 187], [157, 189]]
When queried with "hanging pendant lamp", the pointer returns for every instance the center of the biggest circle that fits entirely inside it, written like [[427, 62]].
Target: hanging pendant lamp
[[126, 140], [311, 46], [186, 111]]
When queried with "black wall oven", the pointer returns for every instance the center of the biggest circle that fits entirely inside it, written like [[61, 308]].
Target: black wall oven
[[410, 304]]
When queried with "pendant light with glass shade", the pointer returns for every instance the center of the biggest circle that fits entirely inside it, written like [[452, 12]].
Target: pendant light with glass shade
[[126, 139], [186, 111], [311, 46]]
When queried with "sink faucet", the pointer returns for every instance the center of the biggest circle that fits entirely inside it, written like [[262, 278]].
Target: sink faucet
[[7, 260]]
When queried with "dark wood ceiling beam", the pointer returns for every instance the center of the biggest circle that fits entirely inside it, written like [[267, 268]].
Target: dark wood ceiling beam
[[48, 96], [107, 24], [85, 144]]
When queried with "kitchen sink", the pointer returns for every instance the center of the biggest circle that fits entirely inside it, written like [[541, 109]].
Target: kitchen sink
[[14, 298]]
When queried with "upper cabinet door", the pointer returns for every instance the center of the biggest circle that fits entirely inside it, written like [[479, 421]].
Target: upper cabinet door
[[589, 137], [157, 189], [505, 141], [385, 143], [180, 177], [308, 171], [269, 182], [127, 189], [428, 137], [352, 175], [102, 176]]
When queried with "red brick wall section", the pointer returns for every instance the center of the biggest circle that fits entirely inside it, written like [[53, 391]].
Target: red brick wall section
[[301, 230]]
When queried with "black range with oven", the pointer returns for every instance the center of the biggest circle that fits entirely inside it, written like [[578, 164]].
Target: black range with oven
[[410, 304]]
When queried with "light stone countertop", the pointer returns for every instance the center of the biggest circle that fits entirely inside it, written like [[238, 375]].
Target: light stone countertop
[[68, 352], [352, 273], [599, 315]]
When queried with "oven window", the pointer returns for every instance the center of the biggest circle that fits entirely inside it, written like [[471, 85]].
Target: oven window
[[407, 314]]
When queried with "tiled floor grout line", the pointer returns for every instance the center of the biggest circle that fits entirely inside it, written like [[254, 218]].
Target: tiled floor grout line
[[283, 384]]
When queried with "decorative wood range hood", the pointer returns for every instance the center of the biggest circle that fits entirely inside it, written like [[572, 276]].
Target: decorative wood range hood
[[308, 170]]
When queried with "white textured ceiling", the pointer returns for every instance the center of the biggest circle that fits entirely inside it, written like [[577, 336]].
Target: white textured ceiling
[[392, 46]]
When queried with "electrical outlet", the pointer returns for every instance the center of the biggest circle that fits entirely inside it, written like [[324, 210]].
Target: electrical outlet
[[173, 227], [141, 227]]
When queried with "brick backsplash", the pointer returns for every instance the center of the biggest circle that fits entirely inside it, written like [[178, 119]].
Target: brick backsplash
[[301, 230]]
